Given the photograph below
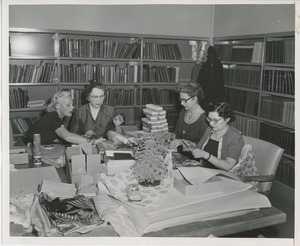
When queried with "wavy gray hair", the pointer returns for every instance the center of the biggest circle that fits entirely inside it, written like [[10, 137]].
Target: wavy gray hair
[[55, 100]]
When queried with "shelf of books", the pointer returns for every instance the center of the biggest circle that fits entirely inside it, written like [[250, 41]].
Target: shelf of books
[[136, 69], [259, 82]]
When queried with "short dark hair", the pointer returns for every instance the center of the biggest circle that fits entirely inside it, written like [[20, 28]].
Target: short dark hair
[[192, 89], [93, 85], [224, 110]]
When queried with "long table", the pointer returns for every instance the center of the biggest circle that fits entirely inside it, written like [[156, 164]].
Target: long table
[[260, 218]]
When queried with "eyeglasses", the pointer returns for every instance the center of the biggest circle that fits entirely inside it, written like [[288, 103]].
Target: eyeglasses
[[185, 100], [214, 120], [97, 97]]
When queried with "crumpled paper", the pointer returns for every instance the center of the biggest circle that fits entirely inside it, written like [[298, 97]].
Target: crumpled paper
[[116, 215]]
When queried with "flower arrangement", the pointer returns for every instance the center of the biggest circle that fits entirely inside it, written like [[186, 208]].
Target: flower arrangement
[[150, 167]]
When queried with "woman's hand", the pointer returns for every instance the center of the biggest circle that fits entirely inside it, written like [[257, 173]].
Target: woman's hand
[[175, 143], [198, 153], [99, 140], [118, 120], [89, 134], [169, 136], [133, 141]]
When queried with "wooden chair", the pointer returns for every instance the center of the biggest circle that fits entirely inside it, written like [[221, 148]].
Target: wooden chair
[[267, 156]]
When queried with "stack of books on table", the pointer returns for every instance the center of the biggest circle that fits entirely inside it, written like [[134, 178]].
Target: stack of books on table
[[155, 120]]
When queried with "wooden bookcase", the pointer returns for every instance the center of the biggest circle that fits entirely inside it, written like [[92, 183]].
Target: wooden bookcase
[[260, 84], [136, 69]]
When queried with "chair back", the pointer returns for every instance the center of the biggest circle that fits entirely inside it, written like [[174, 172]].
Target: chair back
[[267, 156]]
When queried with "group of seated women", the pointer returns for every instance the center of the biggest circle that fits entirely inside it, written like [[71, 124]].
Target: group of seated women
[[92, 122], [214, 140]]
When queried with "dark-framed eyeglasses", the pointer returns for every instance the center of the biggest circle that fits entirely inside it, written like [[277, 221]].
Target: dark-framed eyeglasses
[[214, 120], [185, 100], [97, 97]]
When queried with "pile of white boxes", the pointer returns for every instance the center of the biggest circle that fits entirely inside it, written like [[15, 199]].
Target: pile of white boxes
[[155, 120]]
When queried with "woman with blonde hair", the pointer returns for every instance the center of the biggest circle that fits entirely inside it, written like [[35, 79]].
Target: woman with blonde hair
[[51, 125]]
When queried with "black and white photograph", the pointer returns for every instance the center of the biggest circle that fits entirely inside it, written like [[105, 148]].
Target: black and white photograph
[[149, 122]]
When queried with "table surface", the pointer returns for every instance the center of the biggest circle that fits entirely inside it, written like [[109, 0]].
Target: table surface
[[219, 227]]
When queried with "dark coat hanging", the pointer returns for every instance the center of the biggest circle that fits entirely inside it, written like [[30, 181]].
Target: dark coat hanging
[[211, 80]]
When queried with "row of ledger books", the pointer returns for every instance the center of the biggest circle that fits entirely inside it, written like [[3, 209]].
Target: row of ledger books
[[18, 98], [280, 50], [240, 52], [245, 125], [29, 73], [242, 101], [279, 81], [242, 76], [286, 172], [155, 120], [154, 50], [83, 73], [159, 96], [278, 109], [99, 48], [21, 125], [77, 96], [281, 136], [120, 50], [121, 97], [154, 74]]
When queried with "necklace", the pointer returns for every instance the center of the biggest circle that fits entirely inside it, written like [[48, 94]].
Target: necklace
[[193, 114]]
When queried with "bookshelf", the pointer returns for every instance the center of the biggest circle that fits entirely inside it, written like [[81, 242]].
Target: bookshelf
[[136, 69], [259, 82]]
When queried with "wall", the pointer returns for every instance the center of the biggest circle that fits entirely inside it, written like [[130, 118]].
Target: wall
[[181, 20], [163, 20], [253, 19]]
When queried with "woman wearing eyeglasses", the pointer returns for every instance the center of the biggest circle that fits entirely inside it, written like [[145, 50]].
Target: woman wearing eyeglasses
[[92, 119], [191, 123], [51, 125], [221, 144]]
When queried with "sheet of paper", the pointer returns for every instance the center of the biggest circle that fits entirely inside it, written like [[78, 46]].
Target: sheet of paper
[[237, 202], [197, 175], [175, 200]]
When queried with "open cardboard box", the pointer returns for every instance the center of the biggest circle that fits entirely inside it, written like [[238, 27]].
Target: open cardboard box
[[83, 165], [27, 181], [115, 163], [192, 181], [213, 185], [18, 155]]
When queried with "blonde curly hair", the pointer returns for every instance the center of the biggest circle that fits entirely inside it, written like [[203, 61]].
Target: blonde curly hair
[[55, 100]]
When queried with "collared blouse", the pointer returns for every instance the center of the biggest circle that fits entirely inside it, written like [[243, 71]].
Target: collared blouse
[[83, 121]]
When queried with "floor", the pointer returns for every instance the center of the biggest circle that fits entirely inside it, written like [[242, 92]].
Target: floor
[[281, 197]]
